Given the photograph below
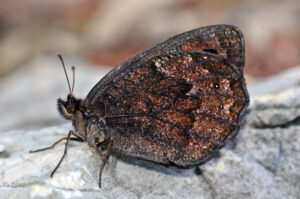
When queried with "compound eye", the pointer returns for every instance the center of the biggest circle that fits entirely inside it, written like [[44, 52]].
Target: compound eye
[[64, 110]]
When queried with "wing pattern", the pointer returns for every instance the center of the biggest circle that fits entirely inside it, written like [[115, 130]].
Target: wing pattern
[[225, 40], [176, 103], [177, 108]]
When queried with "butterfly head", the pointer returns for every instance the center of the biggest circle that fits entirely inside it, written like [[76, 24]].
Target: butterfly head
[[69, 107]]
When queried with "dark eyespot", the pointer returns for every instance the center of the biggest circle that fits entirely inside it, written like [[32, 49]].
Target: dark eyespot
[[216, 86], [210, 50], [221, 106]]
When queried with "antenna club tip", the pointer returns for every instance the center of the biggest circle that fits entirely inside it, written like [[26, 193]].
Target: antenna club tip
[[73, 67]]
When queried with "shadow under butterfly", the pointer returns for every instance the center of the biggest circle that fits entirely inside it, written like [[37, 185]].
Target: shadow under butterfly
[[175, 104]]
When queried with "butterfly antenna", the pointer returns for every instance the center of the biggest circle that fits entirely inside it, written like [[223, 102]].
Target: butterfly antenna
[[73, 83], [64, 67]]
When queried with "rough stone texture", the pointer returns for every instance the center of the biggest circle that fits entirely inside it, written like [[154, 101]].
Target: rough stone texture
[[264, 162], [277, 83]]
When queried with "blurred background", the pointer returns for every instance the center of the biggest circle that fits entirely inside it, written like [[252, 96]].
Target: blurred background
[[96, 35]]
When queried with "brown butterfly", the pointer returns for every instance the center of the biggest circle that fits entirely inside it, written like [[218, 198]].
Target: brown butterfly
[[174, 104]]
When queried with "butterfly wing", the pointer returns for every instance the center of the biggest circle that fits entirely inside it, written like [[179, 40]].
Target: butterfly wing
[[175, 109], [224, 40]]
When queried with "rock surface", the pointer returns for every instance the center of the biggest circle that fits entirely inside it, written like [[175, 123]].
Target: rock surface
[[264, 162]]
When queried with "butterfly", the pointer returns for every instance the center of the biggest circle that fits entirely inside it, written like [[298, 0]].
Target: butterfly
[[175, 104]]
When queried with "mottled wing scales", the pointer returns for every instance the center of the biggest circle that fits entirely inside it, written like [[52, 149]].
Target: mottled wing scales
[[175, 109], [224, 40]]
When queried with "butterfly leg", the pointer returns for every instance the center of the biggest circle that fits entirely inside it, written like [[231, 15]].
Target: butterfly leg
[[109, 142], [65, 152], [77, 139]]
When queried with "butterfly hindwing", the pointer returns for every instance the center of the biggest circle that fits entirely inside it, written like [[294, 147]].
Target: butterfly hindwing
[[175, 108]]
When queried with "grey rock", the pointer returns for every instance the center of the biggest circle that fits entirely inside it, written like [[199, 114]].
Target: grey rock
[[2, 148], [263, 162], [276, 83]]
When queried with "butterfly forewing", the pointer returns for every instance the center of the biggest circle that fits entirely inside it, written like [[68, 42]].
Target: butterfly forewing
[[223, 40], [174, 109]]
